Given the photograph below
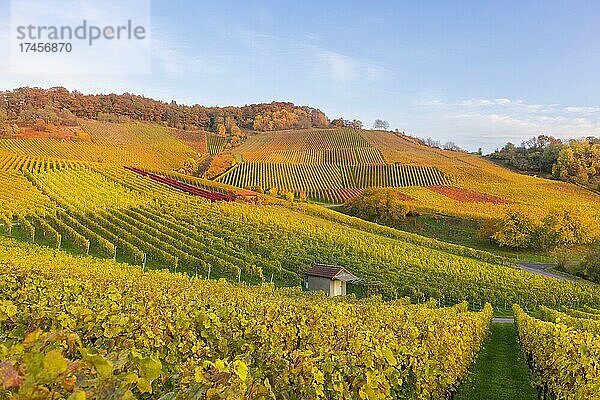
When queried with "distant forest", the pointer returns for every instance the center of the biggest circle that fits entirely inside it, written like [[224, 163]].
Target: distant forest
[[576, 161], [36, 106]]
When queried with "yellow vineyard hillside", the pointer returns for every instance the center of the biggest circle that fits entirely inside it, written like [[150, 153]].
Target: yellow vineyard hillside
[[532, 194], [154, 334], [469, 172], [139, 144], [328, 165]]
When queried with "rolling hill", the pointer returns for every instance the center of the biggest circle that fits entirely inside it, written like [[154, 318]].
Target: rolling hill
[[105, 210], [327, 165], [109, 257], [344, 161]]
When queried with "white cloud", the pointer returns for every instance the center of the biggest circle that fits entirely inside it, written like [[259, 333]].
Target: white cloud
[[490, 122], [339, 68], [174, 59], [582, 110]]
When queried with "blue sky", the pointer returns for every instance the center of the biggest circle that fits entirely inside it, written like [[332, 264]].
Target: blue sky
[[476, 73]]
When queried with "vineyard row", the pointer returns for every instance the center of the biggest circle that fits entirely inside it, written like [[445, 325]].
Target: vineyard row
[[316, 180]]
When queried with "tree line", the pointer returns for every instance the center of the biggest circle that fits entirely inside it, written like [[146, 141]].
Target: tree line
[[559, 227], [60, 106], [576, 161]]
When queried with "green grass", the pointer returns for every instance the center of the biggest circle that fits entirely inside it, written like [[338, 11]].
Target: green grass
[[464, 232], [500, 371]]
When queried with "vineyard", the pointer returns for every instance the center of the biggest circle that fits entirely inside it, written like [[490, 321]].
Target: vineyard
[[477, 175], [215, 143], [109, 268], [331, 182], [197, 140], [305, 140], [563, 352], [341, 156], [142, 333], [22, 196], [329, 165], [11, 162], [137, 144], [184, 187], [377, 157], [118, 213]]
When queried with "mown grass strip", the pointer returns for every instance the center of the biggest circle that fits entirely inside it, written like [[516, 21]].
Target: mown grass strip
[[500, 371]]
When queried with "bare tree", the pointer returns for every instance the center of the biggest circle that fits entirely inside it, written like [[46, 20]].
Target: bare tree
[[380, 124], [452, 146], [432, 143]]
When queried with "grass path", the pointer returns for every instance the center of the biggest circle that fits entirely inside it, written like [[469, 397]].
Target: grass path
[[500, 371]]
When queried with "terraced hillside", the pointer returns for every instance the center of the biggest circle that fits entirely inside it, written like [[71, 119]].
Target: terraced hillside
[[318, 146], [329, 165], [484, 189], [480, 189], [331, 183]]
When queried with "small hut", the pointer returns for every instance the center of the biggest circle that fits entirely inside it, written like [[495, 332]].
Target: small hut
[[330, 279]]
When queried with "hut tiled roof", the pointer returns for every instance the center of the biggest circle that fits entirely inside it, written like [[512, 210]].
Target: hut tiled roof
[[330, 272]]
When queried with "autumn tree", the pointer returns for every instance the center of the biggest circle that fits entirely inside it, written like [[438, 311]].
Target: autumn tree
[[356, 124], [338, 123], [452, 146], [235, 131], [488, 229], [302, 196], [4, 127], [563, 227], [318, 119], [560, 228], [380, 205], [190, 166], [590, 267], [262, 123], [39, 125], [29, 102], [220, 163], [515, 230], [432, 143], [289, 196], [579, 161], [380, 124]]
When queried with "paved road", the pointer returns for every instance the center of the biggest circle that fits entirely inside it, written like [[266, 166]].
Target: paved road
[[542, 269], [503, 320]]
